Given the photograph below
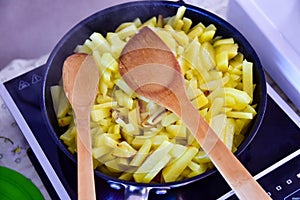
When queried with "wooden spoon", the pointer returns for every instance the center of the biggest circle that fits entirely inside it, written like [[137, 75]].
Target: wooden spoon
[[80, 78], [149, 67]]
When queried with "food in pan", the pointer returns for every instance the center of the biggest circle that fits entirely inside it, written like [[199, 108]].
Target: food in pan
[[135, 139]]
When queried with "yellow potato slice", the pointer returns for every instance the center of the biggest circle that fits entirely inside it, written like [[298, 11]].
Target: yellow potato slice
[[172, 172], [152, 160]]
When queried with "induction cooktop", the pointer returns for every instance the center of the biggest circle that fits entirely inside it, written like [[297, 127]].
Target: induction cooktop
[[273, 155]]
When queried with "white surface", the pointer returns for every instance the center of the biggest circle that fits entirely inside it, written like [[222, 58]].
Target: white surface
[[272, 27], [285, 16]]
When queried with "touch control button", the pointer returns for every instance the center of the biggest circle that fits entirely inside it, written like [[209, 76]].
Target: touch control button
[[278, 188], [289, 181]]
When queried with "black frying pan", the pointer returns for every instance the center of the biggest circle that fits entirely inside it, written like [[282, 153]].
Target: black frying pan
[[108, 20]]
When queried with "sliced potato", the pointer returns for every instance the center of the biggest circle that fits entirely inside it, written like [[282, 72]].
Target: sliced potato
[[135, 139], [141, 155], [152, 160], [172, 172]]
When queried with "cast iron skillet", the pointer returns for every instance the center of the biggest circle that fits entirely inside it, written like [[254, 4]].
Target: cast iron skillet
[[108, 20]]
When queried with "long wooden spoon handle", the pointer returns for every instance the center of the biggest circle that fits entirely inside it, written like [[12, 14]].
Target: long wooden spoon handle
[[86, 183], [236, 175], [81, 78]]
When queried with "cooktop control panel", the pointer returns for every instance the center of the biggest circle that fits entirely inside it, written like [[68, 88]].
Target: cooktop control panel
[[284, 182], [281, 180]]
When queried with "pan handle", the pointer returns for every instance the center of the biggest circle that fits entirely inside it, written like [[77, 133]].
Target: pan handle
[[133, 192]]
